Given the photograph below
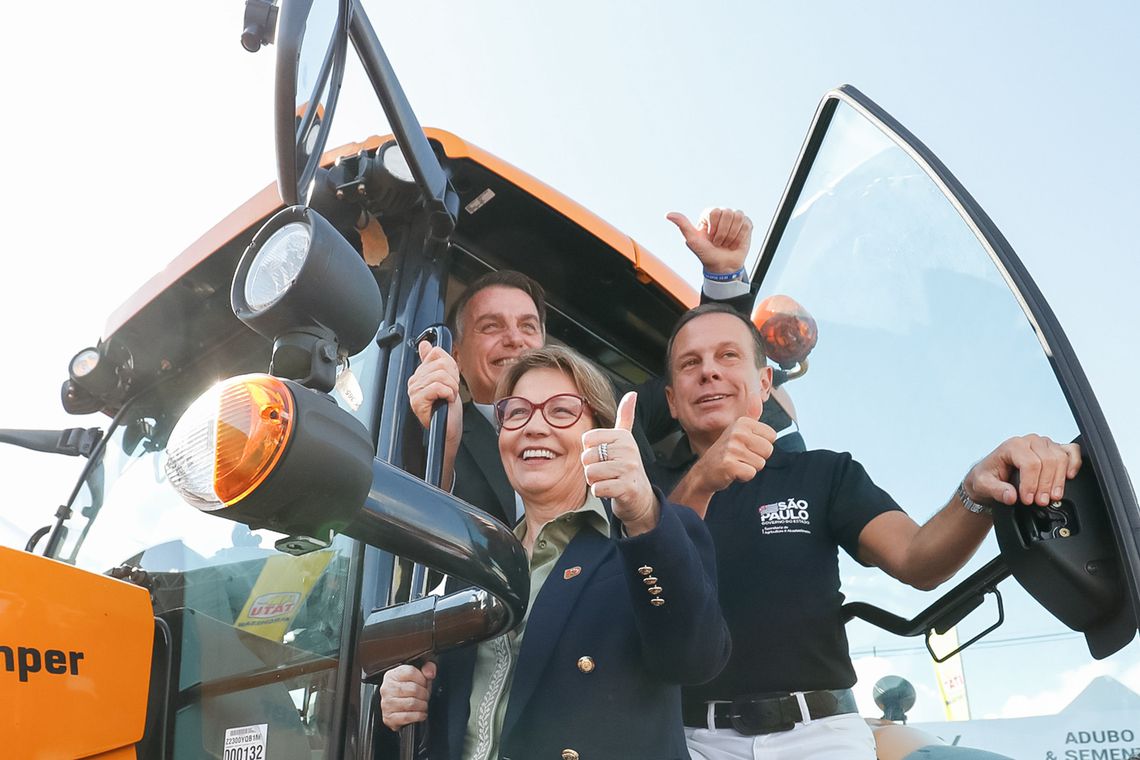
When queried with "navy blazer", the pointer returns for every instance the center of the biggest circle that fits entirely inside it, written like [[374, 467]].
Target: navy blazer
[[629, 704]]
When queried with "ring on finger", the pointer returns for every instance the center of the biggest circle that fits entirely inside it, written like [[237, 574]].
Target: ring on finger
[[603, 452]]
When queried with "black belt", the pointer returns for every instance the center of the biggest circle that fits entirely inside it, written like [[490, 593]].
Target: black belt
[[754, 714]]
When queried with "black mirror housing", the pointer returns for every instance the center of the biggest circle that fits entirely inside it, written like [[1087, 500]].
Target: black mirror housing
[[1065, 556]]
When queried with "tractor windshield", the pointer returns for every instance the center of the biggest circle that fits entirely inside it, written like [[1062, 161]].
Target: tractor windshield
[[255, 633]]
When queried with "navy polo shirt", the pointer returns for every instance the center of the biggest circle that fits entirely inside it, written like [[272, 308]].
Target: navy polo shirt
[[777, 539]]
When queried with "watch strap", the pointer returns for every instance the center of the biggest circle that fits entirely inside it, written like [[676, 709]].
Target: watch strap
[[970, 504]]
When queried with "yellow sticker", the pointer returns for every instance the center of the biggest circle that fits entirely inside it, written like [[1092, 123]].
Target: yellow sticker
[[281, 589]]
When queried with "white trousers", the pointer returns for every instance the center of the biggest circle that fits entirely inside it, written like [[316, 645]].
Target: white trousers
[[838, 737]]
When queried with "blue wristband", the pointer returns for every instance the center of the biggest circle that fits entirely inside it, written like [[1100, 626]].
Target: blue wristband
[[727, 277]]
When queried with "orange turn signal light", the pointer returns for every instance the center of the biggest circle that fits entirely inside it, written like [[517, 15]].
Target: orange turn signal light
[[270, 453], [788, 331], [230, 440], [254, 423]]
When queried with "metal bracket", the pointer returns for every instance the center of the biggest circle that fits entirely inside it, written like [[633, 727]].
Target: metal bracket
[[959, 648]]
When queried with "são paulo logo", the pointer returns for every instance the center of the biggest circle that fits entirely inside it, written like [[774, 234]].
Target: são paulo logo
[[788, 516]]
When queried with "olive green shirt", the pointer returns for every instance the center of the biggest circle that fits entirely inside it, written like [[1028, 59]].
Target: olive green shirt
[[495, 658]]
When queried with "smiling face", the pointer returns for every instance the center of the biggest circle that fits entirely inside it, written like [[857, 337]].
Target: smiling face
[[714, 375], [499, 323], [543, 463]]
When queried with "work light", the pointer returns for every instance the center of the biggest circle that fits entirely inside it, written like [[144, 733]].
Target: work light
[[395, 163], [304, 287], [93, 372]]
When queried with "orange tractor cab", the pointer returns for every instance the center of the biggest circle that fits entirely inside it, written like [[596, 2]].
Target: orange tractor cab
[[261, 377]]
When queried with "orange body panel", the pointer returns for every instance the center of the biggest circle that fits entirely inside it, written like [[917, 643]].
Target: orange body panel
[[648, 266], [75, 652]]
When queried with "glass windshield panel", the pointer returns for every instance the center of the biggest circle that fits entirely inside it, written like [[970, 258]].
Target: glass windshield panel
[[925, 362]]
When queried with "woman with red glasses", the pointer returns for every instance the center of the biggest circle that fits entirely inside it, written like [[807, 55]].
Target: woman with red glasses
[[622, 602]]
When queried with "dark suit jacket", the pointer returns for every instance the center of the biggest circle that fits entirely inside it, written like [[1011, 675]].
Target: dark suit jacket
[[479, 475], [629, 705]]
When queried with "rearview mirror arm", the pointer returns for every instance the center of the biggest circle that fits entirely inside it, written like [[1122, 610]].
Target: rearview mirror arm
[[442, 200], [941, 616], [72, 442], [94, 458]]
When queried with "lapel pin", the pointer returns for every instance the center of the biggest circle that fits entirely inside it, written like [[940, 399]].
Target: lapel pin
[[571, 572]]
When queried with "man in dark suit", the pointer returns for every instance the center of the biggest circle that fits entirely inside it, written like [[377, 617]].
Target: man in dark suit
[[503, 314]]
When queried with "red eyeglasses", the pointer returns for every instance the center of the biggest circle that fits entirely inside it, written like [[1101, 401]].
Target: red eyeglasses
[[561, 411]]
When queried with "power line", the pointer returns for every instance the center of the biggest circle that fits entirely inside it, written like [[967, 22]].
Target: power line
[[1041, 638]]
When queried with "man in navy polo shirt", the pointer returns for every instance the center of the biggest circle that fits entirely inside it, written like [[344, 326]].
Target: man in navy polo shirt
[[777, 518]]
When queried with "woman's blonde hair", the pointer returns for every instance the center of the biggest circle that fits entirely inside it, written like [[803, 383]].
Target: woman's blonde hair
[[589, 380]]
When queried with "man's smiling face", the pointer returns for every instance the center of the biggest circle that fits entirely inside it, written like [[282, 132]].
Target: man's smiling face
[[714, 374], [498, 324]]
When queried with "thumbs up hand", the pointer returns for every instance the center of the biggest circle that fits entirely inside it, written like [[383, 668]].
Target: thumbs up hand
[[741, 451], [720, 239], [614, 471]]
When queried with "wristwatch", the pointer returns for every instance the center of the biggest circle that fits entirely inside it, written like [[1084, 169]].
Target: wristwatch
[[970, 504]]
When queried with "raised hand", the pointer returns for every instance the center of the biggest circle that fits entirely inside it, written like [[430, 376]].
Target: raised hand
[[620, 475], [404, 695], [741, 451], [436, 378], [720, 239], [1042, 466]]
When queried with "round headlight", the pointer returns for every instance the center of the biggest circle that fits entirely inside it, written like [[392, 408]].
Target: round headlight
[[396, 164], [303, 286], [275, 267], [84, 363], [95, 373], [229, 440]]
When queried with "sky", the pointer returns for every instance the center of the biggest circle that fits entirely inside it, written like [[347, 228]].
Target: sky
[[132, 128]]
